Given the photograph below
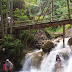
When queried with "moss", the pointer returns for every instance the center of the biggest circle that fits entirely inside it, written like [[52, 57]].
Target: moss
[[48, 46]]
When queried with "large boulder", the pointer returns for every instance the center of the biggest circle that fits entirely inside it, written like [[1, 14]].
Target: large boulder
[[36, 59], [70, 41], [48, 46]]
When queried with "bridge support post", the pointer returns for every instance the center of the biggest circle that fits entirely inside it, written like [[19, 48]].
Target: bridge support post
[[1, 20], [52, 9], [11, 17], [63, 35], [0, 11], [6, 25]]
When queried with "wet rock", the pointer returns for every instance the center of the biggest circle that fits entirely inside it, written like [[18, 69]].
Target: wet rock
[[48, 46], [70, 41], [36, 59], [71, 48], [56, 41], [40, 35], [40, 43]]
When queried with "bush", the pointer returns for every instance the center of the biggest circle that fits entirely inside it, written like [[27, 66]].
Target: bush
[[12, 47], [48, 33], [31, 38]]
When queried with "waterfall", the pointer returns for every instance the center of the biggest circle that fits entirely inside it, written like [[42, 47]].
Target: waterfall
[[49, 60]]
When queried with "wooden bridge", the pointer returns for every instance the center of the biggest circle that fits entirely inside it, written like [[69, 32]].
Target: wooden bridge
[[50, 21], [42, 24]]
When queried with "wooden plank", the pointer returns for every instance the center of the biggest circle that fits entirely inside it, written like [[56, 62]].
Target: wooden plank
[[44, 25]]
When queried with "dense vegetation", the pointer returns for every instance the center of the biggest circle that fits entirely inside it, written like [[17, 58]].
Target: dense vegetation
[[12, 47], [30, 10]]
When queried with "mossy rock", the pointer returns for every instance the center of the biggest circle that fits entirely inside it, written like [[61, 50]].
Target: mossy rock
[[70, 41], [48, 46]]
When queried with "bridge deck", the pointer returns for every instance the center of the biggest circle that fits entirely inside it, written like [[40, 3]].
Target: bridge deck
[[43, 25]]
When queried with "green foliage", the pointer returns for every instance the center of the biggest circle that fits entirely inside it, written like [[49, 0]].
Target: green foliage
[[51, 29], [24, 11], [33, 9], [13, 47], [9, 38], [58, 29], [31, 1], [36, 17], [48, 32], [31, 38], [71, 33], [20, 14], [71, 1], [67, 26]]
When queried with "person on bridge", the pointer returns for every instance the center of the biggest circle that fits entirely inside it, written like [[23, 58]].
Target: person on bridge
[[9, 19], [9, 65], [58, 61]]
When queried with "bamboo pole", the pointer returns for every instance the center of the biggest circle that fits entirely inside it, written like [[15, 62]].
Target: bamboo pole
[[11, 17], [68, 10], [2, 22], [6, 25], [0, 7], [31, 40], [20, 22], [63, 35], [0, 12], [52, 9]]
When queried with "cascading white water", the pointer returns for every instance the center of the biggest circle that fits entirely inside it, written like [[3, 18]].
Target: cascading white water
[[49, 60]]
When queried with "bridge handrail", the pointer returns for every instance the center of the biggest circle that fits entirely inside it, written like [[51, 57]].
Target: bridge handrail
[[55, 20], [41, 19]]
